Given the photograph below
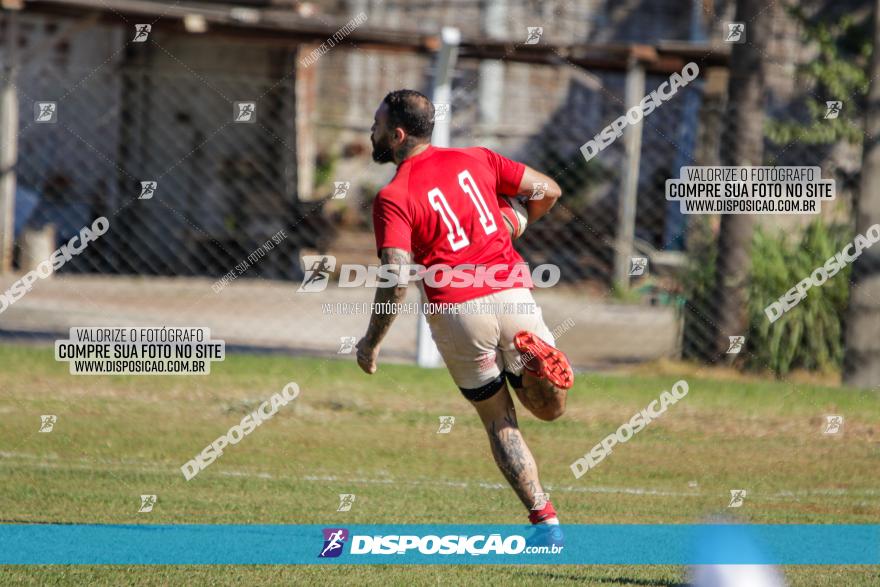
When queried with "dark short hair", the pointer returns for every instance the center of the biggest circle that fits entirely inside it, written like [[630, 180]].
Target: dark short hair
[[411, 111]]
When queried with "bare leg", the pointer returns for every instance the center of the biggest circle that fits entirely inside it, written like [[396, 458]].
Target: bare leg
[[541, 397], [512, 456]]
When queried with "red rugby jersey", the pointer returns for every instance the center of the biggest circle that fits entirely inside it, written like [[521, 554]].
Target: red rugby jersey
[[442, 206]]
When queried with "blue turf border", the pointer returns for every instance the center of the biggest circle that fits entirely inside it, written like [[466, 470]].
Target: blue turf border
[[628, 544]]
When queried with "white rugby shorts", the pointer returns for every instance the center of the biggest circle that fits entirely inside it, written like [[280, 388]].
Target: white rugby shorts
[[475, 338]]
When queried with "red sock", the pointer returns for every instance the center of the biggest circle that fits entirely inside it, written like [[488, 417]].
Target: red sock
[[545, 513]]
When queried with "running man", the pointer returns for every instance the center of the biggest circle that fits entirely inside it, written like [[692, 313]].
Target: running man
[[334, 542], [442, 208]]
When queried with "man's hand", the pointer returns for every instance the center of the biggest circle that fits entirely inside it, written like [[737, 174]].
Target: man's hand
[[366, 356]]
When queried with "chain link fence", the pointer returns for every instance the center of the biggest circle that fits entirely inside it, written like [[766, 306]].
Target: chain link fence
[[216, 187], [151, 136]]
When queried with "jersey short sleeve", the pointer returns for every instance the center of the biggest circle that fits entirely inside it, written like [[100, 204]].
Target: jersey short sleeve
[[391, 224], [508, 173]]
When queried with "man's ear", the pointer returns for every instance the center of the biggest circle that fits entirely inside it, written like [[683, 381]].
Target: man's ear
[[399, 135]]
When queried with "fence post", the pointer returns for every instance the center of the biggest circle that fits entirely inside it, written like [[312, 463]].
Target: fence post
[[305, 84], [8, 144], [491, 77], [427, 354], [450, 37], [626, 204]]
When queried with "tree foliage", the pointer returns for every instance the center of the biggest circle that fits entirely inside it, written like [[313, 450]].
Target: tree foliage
[[839, 72]]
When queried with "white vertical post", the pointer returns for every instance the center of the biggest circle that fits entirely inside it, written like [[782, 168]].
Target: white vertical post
[[445, 67], [626, 206], [427, 354], [491, 84], [8, 143]]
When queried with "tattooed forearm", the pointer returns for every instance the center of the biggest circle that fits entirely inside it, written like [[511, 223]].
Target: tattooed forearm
[[514, 458], [387, 298]]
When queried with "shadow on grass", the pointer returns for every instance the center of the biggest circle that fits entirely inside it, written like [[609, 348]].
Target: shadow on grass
[[610, 580]]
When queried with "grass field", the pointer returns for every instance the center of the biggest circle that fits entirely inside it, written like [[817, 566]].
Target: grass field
[[119, 437]]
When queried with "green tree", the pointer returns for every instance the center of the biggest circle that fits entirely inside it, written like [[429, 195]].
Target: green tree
[[838, 72]]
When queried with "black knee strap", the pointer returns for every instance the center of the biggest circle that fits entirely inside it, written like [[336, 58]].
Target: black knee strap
[[485, 392], [514, 380]]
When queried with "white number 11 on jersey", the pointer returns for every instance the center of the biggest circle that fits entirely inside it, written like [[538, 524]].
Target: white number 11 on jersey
[[457, 238]]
